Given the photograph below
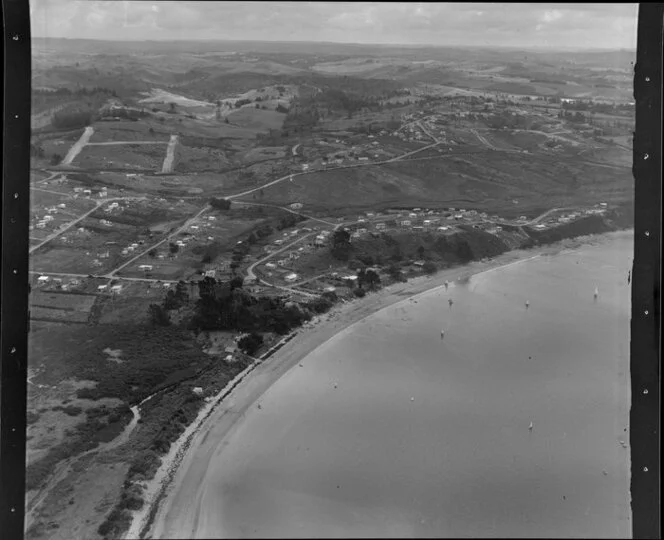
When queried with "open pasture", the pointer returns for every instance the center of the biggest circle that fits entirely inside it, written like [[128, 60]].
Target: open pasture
[[144, 157]]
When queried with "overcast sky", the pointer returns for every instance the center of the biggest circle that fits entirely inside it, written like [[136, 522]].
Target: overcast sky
[[580, 26]]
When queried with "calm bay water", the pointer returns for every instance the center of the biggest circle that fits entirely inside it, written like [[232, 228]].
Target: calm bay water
[[429, 437]]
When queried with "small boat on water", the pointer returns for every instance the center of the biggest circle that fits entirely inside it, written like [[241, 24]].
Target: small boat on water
[[442, 334], [527, 304], [450, 301], [596, 294], [530, 427]]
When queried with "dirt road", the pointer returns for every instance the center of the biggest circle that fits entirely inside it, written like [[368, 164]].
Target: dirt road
[[78, 146], [167, 167]]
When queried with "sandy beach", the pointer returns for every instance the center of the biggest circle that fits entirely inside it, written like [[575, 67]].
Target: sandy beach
[[187, 464]]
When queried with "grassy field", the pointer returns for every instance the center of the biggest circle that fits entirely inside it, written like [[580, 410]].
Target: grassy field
[[256, 119], [193, 159], [491, 180], [125, 130], [145, 157]]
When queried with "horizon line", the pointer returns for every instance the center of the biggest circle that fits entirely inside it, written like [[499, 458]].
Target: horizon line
[[410, 45]]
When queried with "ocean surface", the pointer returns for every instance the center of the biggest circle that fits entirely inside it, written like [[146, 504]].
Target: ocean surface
[[389, 430]]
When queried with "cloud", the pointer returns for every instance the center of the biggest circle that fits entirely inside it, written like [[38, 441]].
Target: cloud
[[488, 24]]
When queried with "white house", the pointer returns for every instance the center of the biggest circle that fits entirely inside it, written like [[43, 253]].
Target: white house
[[116, 289], [102, 287], [380, 226], [43, 279], [48, 218], [270, 265], [296, 205], [405, 222], [145, 267], [291, 277]]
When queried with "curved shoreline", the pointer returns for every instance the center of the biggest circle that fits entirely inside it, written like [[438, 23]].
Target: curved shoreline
[[186, 468]]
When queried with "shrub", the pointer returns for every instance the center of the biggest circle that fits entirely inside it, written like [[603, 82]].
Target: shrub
[[360, 293]]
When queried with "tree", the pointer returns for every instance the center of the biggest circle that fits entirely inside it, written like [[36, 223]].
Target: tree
[[171, 107], [220, 204], [181, 292], [236, 282], [420, 252], [152, 253], [173, 248], [159, 315], [251, 343], [340, 248], [371, 278]]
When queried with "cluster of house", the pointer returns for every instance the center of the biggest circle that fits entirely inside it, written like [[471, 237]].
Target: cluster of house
[[132, 247], [78, 191], [113, 289], [41, 223], [321, 239], [58, 282], [599, 209]]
